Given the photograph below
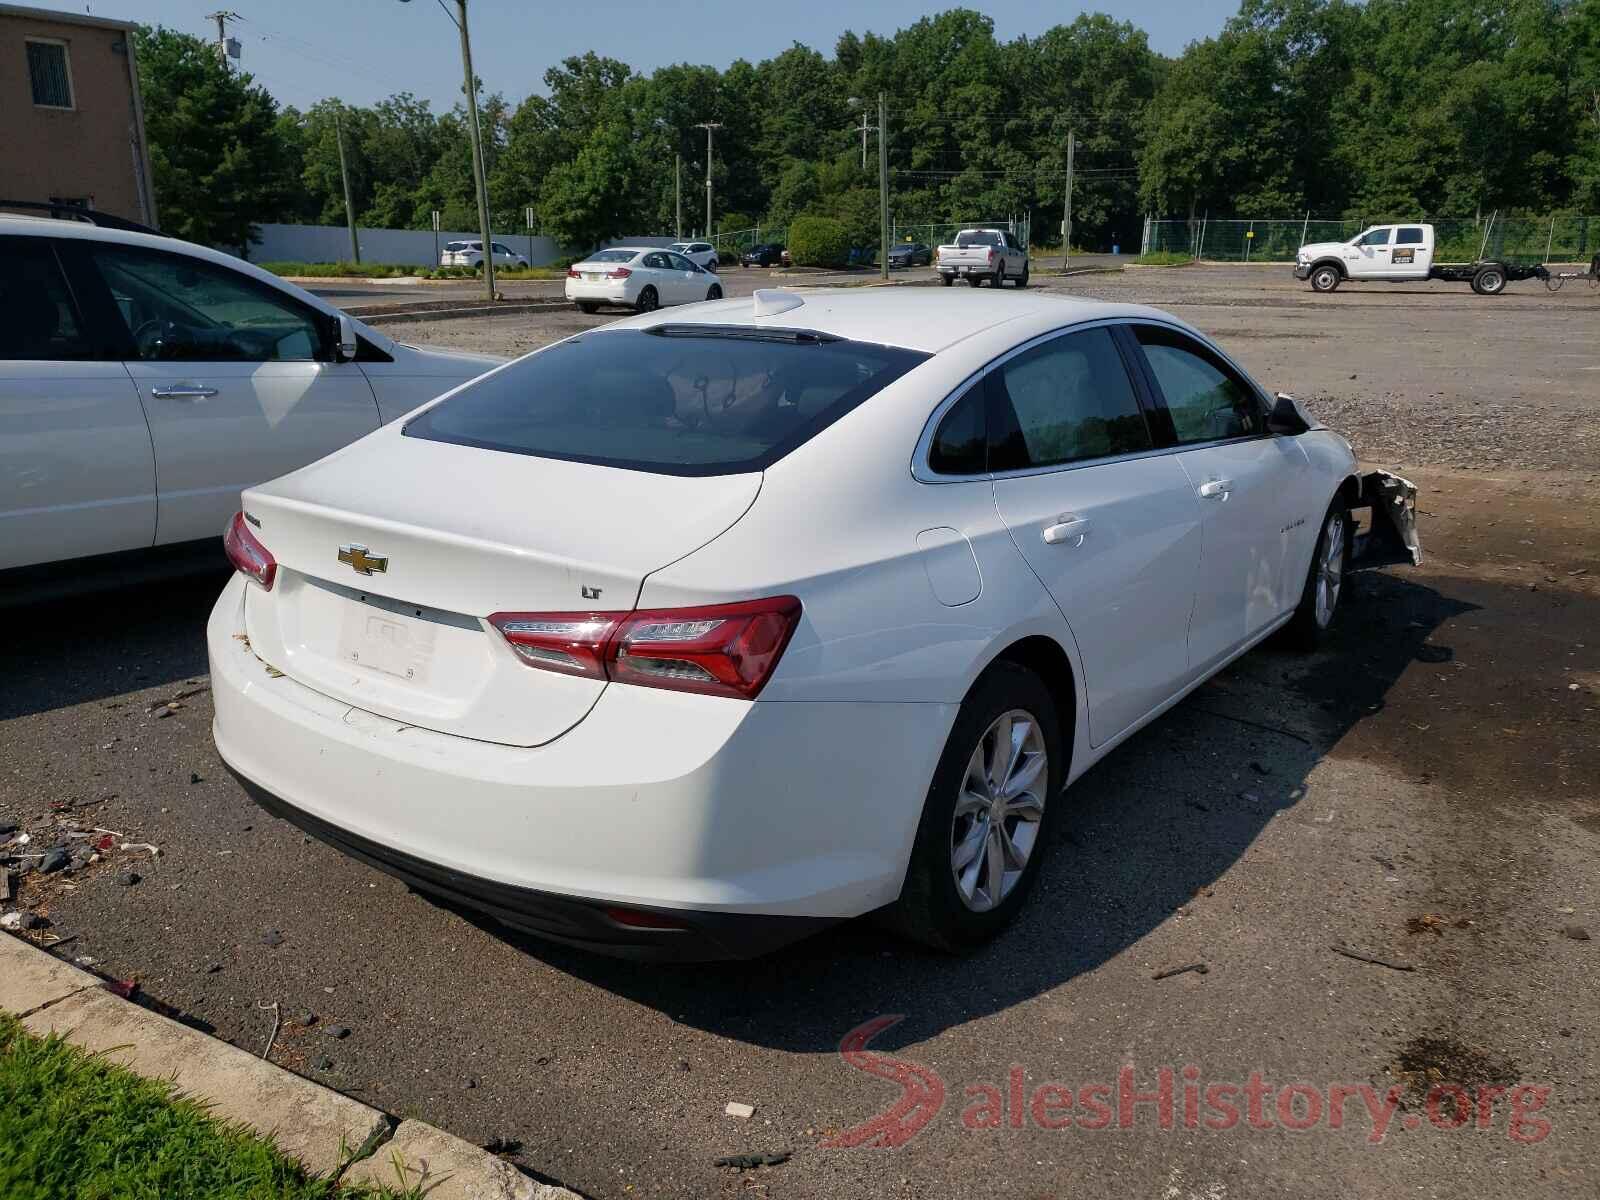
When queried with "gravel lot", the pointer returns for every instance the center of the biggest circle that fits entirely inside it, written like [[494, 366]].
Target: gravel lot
[[1426, 791]]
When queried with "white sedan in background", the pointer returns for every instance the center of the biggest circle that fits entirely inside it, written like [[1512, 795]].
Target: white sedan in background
[[642, 278], [774, 612], [146, 381]]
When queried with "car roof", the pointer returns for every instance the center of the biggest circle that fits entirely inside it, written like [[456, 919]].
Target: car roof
[[922, 319]]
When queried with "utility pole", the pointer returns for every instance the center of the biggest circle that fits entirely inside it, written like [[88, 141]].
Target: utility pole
[[1066, 215], [349, 209], [710, 127], [677, 199], [883, 181], [471, 82], [222, 16]]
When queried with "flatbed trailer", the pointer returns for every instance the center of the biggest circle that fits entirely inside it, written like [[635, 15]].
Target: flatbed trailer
[[1488, 277]]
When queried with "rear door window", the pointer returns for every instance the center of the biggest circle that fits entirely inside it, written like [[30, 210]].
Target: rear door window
[[40, 321], [1408, 236], [676, 400], [1066, 400]]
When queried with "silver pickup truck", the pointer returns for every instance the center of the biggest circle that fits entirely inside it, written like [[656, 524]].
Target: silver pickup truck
[[979, 254]]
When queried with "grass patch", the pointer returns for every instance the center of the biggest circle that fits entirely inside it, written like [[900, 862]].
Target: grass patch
[[1164, 258], [74, 1125]]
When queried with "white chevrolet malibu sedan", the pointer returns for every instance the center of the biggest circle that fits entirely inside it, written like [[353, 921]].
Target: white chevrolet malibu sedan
[[691, 634], [641, 278]]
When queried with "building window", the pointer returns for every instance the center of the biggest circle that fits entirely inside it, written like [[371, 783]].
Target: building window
[[51, 76]]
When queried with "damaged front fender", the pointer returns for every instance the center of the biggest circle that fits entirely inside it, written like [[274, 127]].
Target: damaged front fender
[[1391, 534]]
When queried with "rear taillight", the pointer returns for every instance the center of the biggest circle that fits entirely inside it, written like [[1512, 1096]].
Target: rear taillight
[[717, 649], [248, 555], [619, 273], [574, 273]]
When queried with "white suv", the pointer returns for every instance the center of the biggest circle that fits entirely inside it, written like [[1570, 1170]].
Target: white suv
[[146, 381], [701, 254], [470, 254]]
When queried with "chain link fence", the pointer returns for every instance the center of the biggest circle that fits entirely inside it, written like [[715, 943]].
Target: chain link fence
[[1560, 238]]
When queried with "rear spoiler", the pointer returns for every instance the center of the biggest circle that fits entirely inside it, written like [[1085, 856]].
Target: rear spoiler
[[1391, 536]]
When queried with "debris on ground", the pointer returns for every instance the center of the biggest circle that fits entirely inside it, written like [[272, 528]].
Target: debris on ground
[[1373, 959], [1199, 968], [1576, 932], [743, 1111], [1427, 923], [502, 1145], [322, 1063], [746, 1162], [128, 878], [54, 860], [338, 1032], [272, 938]]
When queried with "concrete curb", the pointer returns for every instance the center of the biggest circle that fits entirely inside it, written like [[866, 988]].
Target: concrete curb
[[322, 1128]]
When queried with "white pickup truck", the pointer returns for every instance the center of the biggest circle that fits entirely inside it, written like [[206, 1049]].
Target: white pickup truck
[[979, 254], [1400, 253]]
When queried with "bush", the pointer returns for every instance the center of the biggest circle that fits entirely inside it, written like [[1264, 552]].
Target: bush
[[818, 242]]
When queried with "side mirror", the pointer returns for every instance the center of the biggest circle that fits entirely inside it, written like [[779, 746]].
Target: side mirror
[[1286, 418], [347, 346]]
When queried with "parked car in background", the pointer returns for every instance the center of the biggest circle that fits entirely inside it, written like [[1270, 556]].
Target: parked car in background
[[146, 381], [702, 254], [641, 278], [910, 254], [977, 255], [768, 254], [633, 690], [470, 254]]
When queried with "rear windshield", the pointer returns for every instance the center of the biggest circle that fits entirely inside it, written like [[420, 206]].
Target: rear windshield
[[612, 256], [979, 238], [694, 400]]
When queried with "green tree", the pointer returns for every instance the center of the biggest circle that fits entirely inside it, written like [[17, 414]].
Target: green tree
[[218, 161]]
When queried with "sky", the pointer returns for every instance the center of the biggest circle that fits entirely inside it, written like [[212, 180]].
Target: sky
[[364, 50]]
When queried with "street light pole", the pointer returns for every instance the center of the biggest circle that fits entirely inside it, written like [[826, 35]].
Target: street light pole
[[677, 199], [710, 127]]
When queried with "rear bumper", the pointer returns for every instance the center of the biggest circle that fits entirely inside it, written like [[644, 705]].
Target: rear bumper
[[700, 937], [714, 809], [608, 291]]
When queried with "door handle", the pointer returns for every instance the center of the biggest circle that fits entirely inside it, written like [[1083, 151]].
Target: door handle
[[1070, 530], [1216, 489], [183, 391]]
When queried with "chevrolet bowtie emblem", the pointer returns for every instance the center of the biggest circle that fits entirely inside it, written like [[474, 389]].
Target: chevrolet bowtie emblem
[[363, 561]]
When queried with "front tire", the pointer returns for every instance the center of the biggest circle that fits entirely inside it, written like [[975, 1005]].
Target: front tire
[[1000, 276], [1022, 280], [1330, 565], [988, 814], [714, 292], [1326, 278], [648, 301], [974, 280]]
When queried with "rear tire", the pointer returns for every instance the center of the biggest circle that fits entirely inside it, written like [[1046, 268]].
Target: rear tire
[[1325, 579], [1489, 281], [648, 301], [1022, 280], [988, 821], [587, 306], [1326, 278]]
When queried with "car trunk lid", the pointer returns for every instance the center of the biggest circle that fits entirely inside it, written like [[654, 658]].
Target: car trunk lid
[[392, 553]]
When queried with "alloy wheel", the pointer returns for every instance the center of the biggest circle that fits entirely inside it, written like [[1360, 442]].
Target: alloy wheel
[[998, 813], [1330, 568]]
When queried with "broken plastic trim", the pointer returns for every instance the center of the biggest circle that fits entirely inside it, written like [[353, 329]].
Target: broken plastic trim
[[1392, 537]]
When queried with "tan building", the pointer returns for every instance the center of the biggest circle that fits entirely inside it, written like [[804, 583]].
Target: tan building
[[71, 122]]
